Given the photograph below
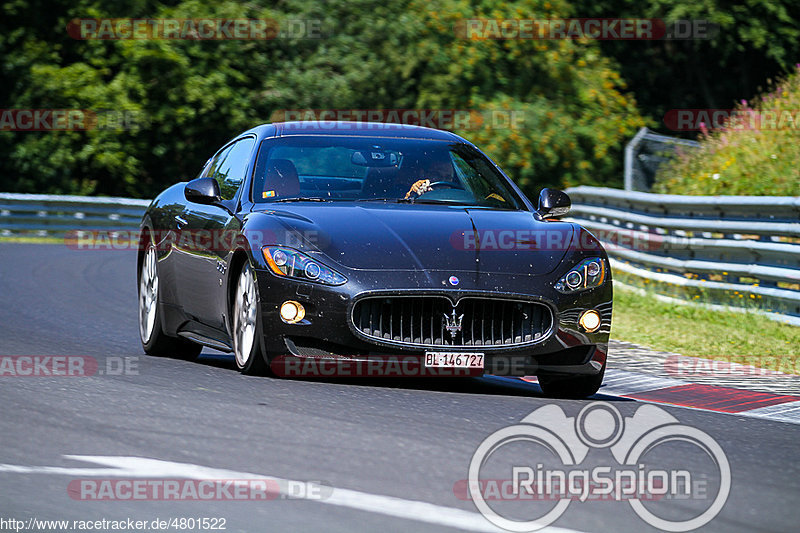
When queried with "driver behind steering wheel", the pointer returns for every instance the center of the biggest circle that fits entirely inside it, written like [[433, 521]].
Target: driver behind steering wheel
[[438, 168]]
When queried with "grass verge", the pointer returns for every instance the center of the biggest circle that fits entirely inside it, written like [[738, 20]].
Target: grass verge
[[742, 337], [33, 240]]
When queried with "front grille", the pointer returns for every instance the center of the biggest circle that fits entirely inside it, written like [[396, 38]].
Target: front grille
[[420, 320]]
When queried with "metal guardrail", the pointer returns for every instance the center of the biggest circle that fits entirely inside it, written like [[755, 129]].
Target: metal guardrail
[[730, 250], [645, 153], [54, 215]]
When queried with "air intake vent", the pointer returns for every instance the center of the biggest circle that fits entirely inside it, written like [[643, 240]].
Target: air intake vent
[[432, 321]]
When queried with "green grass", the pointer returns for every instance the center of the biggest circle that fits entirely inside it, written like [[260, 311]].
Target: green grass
[[33, 240], [743, 337]]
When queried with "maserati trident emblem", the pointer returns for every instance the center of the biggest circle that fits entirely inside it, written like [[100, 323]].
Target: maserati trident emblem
[[452, 323]]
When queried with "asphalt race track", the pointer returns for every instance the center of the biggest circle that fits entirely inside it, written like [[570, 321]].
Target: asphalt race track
[[392, 451]]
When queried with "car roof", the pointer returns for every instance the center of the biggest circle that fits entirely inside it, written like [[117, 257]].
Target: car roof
[[356, 129]]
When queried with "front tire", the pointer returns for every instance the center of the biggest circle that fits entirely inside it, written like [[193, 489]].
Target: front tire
[[247, 329], [154, 341]]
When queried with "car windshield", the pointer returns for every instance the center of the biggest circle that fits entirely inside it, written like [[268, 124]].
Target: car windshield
[[378, 169]]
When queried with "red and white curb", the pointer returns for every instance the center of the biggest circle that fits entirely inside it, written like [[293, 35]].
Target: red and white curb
[[670, 391], [655, 389]]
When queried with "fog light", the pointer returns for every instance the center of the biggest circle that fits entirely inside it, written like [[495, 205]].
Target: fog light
[[590, 320], [292, 312]]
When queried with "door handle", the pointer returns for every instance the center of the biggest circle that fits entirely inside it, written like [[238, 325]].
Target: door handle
[[181, 221]]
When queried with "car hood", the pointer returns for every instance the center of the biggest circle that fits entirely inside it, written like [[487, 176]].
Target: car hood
[[425, 237]]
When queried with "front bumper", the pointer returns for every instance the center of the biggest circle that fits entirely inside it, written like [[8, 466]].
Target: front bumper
[[327, 330]]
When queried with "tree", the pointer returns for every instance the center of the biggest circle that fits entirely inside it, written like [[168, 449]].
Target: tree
[[572, 115]]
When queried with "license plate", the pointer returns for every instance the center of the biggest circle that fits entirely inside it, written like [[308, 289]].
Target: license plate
[[453, 360]]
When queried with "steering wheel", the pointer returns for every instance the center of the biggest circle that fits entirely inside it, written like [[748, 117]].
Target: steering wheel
[[449, 184], [421, 187]]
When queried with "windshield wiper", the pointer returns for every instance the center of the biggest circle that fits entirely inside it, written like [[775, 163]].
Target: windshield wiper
[[301, 199], [442, 201], [397, 200]]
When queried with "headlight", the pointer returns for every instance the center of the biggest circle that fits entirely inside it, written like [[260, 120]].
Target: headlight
[[288, 263], [588, 274]]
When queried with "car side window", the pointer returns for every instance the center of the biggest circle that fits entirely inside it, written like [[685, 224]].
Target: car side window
[[230, 165]]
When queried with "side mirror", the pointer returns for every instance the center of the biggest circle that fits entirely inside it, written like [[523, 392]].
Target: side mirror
[[202, 191], [553, 203]]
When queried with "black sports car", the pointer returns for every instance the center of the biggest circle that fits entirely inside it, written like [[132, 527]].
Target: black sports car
[[356, 241]]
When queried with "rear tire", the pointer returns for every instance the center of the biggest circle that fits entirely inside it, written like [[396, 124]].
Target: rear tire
[[154, 341], [574, 387], [247, 325]]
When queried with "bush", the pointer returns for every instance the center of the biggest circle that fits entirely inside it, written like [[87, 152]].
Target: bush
[[749, 156]]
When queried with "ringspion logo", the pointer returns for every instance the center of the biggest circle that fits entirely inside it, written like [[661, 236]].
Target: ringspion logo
[[518, 471]]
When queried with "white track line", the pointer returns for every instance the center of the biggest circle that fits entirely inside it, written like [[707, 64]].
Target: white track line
[[142, 467]]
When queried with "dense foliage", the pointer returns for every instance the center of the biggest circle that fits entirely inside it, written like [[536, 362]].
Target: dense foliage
[[754, 152], [186, 97], [755, 40]]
